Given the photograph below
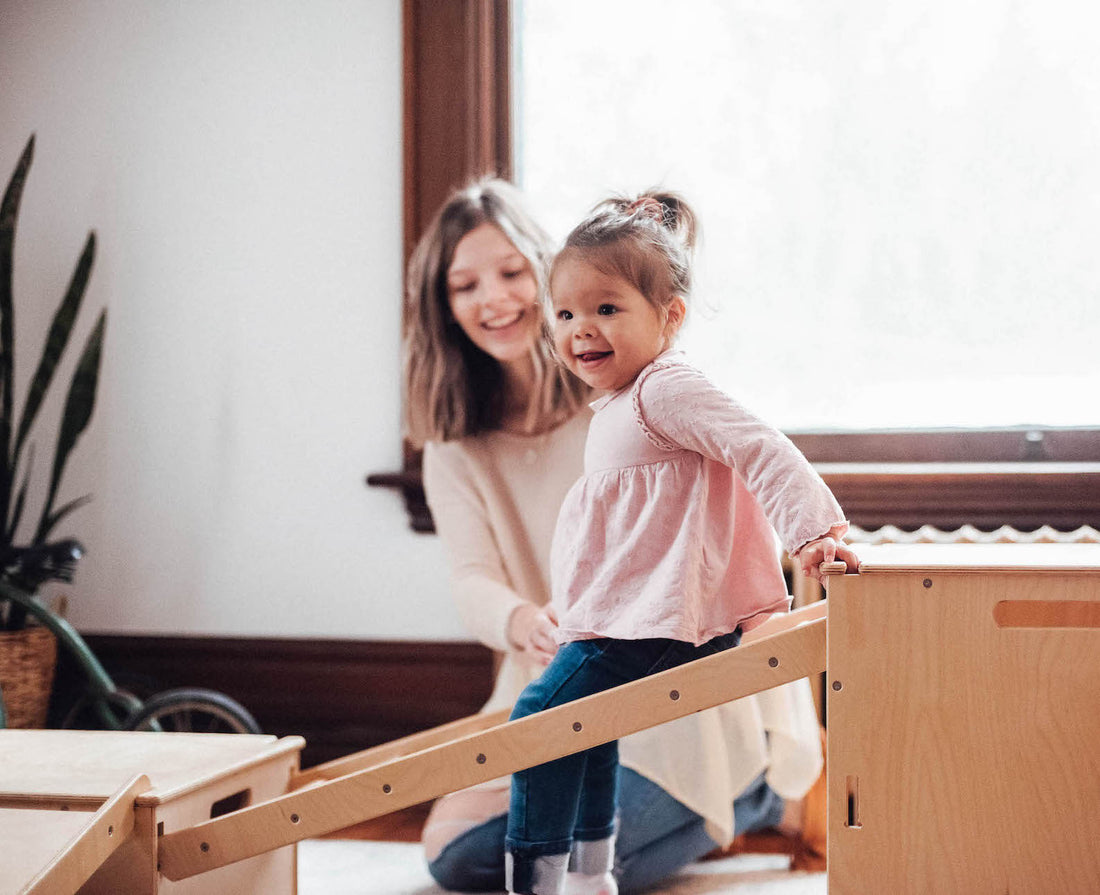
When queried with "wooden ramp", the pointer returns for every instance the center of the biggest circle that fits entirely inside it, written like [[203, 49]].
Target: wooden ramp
[[377, 782], [31, 831]]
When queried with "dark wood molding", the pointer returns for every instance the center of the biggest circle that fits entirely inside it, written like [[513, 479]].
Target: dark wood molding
[[1024, 496], [409, 482], [1006, 445], [341, 695], [457, 126], [457, 99], [1024, 478]]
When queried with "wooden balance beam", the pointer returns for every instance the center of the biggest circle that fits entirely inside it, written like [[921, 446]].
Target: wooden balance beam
[[428, 765]]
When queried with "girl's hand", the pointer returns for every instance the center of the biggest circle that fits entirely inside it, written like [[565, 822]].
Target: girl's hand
[[825, 549], [531, 630]]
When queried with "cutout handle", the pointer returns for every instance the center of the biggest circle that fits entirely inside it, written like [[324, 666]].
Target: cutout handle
[[1047, 614], [852, 820], [233, 802]]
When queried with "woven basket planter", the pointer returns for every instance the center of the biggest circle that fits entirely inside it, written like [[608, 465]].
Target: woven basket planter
[[27, 660]]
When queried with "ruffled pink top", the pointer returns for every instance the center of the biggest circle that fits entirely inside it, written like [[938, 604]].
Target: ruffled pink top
[[670, 532]]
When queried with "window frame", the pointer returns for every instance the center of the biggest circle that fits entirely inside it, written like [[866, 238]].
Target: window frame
[[457, 124]]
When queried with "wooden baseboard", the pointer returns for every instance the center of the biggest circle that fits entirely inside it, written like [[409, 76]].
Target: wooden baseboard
[[341, 695]]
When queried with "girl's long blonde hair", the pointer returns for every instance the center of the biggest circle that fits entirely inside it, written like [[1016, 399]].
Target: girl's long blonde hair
[[452, 388]]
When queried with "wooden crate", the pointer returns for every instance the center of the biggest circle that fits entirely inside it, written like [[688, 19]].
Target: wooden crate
[[52, 782], [962, 689]]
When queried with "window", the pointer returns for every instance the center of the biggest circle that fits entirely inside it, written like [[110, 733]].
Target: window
[[899, 203], [925, 178]]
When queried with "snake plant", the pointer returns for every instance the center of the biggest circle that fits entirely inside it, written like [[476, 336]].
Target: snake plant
[[16, 451]]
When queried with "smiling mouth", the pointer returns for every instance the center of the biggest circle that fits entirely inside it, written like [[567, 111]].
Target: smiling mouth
[[503, 323], [590, 357]]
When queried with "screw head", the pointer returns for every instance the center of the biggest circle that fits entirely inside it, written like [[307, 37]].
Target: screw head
[[386, 788], [837, 685], [577, 726], [481, 758], [294, 818], [773, 662], [927, 582], [674, 695], [204, 846]]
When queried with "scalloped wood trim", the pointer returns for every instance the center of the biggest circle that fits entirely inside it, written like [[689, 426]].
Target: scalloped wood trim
[[968, 534]]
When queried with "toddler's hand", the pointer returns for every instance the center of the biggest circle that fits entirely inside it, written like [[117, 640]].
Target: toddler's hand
[[531, 630], [825, 549]]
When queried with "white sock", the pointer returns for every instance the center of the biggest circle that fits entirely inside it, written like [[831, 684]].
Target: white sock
[[590, 884], [590, 864], [546, 876]]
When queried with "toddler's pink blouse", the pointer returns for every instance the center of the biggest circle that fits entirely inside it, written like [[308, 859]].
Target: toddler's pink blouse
[[669, 532]]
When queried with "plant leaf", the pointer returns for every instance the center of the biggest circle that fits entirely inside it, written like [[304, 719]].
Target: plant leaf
[[78, 411], [56, 342], [59, 514], [20, 500], [9, 212]]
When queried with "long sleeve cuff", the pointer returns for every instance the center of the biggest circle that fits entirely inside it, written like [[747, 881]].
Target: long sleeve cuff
[[485, 607]]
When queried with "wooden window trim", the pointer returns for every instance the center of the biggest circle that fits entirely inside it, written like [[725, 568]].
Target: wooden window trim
[[457, 124]]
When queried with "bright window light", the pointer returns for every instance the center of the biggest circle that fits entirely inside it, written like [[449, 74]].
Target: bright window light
[[900, 203]]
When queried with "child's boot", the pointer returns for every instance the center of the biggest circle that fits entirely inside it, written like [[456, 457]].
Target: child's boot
[[590, 865]]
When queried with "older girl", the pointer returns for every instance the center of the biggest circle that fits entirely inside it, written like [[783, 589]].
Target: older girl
[[503, 427]]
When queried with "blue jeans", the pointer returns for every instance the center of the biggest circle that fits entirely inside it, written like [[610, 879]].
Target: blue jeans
[[657, 836], [573, 799]]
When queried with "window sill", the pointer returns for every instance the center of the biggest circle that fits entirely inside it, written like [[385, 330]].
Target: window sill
[[949, 495], [1025, 496]]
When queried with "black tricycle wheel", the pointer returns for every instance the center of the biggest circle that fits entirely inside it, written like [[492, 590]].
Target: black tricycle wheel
[[193, 710]]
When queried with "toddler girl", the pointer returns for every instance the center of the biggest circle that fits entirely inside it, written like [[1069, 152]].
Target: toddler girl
[[664, 549]]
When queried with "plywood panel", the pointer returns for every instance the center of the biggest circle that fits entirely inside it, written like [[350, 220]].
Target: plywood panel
[[962, 754], [31, 838], [978, 557], [93, 764]]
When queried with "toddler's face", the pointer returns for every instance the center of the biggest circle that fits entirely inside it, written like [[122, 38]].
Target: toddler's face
[[493, 294], [605, 331]]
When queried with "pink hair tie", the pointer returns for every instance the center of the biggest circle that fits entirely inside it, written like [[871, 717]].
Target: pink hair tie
[[647, 206]]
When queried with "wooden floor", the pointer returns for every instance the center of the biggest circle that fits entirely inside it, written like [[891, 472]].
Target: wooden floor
[[405, 826]]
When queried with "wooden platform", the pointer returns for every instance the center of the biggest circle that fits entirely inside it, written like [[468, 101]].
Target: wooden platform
[[963, 686], [54, 783]]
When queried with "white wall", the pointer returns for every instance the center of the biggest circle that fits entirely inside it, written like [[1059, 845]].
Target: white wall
[[240, 163]]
